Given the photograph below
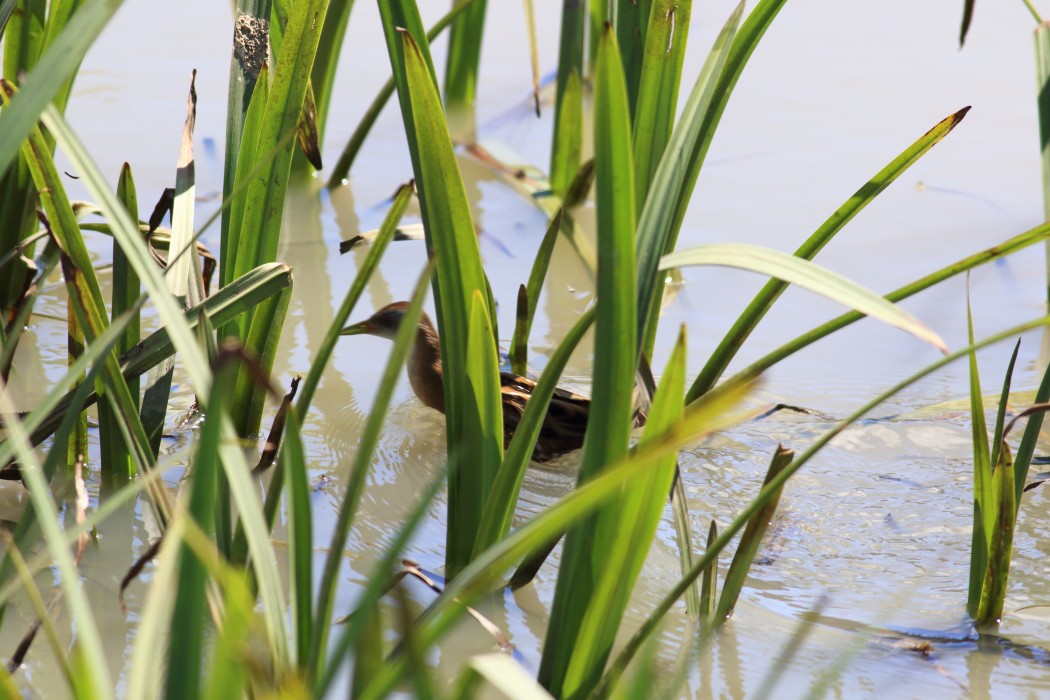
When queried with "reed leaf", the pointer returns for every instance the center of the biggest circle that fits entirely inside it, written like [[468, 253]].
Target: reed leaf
[[750, 540], [1012, 245], [244, 495], [660, 77], [451, 240], [763, 301], [709, 578], [673, 181], [461, 68], [251, 42], [88, 641], [499, 511], [569, 667], [356, 482], [341, 171], [364, 273], [807, 275], [46, 81], [715, 411], [656, 615], [186, 646], [630, 534]]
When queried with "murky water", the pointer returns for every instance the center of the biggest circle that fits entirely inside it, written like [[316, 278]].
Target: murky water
[[875, 529]]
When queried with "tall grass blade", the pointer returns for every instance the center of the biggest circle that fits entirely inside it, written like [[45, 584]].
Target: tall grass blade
[[651, 624], [85, 296], [364, 273], [751, 539], [461, 68], [631, 20], [88, 640], [322, 76], [49, 77], [569, 667], [709, 579], [628, 536], [763, 301], [982, 471], [189, 615], [300, 540], [356, 482], [1041, 37], [499, 511], [807, 275], [661, 75], [673, 180], [198, 372], [714, 412], [251, 42], [451, 240], [567, 146], [1012, 245], [346, 160]]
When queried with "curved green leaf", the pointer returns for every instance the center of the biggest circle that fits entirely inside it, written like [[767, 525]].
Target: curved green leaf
[[807, 275]]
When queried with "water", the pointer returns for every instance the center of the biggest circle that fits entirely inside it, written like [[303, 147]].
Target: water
[[875, 529]]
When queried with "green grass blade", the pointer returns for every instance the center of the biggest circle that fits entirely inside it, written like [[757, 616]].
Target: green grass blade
[[661, 74], [652, 623], [566, 147], [560, 222], [1041, 36], [356, 482], [300, 538], [499, 511], [190, 615], [1000, 541], [461, 68], [485, 431], [329, 47], [709, 579], [751, 539], [611, 412], [763, 301], [452, 241], [341, 171], [222, 306], [631, 20], [231, 247], [244, 494], [714, 412], [88, 639], [85, 294], [626, 538], [1026, 448], [1004, 401], [375, 253], [249, 55], [807, 275], [1012, 245], [47, 79], [982, 474], [672, 183]]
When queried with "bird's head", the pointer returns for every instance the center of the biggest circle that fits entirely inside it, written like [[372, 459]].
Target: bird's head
[[383, 323]]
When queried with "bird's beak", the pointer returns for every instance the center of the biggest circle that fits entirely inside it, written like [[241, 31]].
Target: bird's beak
[[362, 328]]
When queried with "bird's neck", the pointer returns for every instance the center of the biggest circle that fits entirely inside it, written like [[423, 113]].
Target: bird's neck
[[424, 367]]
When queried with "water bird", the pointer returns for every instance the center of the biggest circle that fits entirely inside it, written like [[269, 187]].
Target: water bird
[[563, 427]]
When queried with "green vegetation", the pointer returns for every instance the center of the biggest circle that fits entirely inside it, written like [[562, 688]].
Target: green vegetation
[[219, 618]]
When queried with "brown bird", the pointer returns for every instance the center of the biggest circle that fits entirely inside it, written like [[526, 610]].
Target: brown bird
[[563, 427]]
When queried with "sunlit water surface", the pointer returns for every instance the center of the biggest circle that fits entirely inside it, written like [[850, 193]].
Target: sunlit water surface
[[874, 531]]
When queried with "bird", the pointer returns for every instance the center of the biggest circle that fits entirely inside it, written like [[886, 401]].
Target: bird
[[564, 426]]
